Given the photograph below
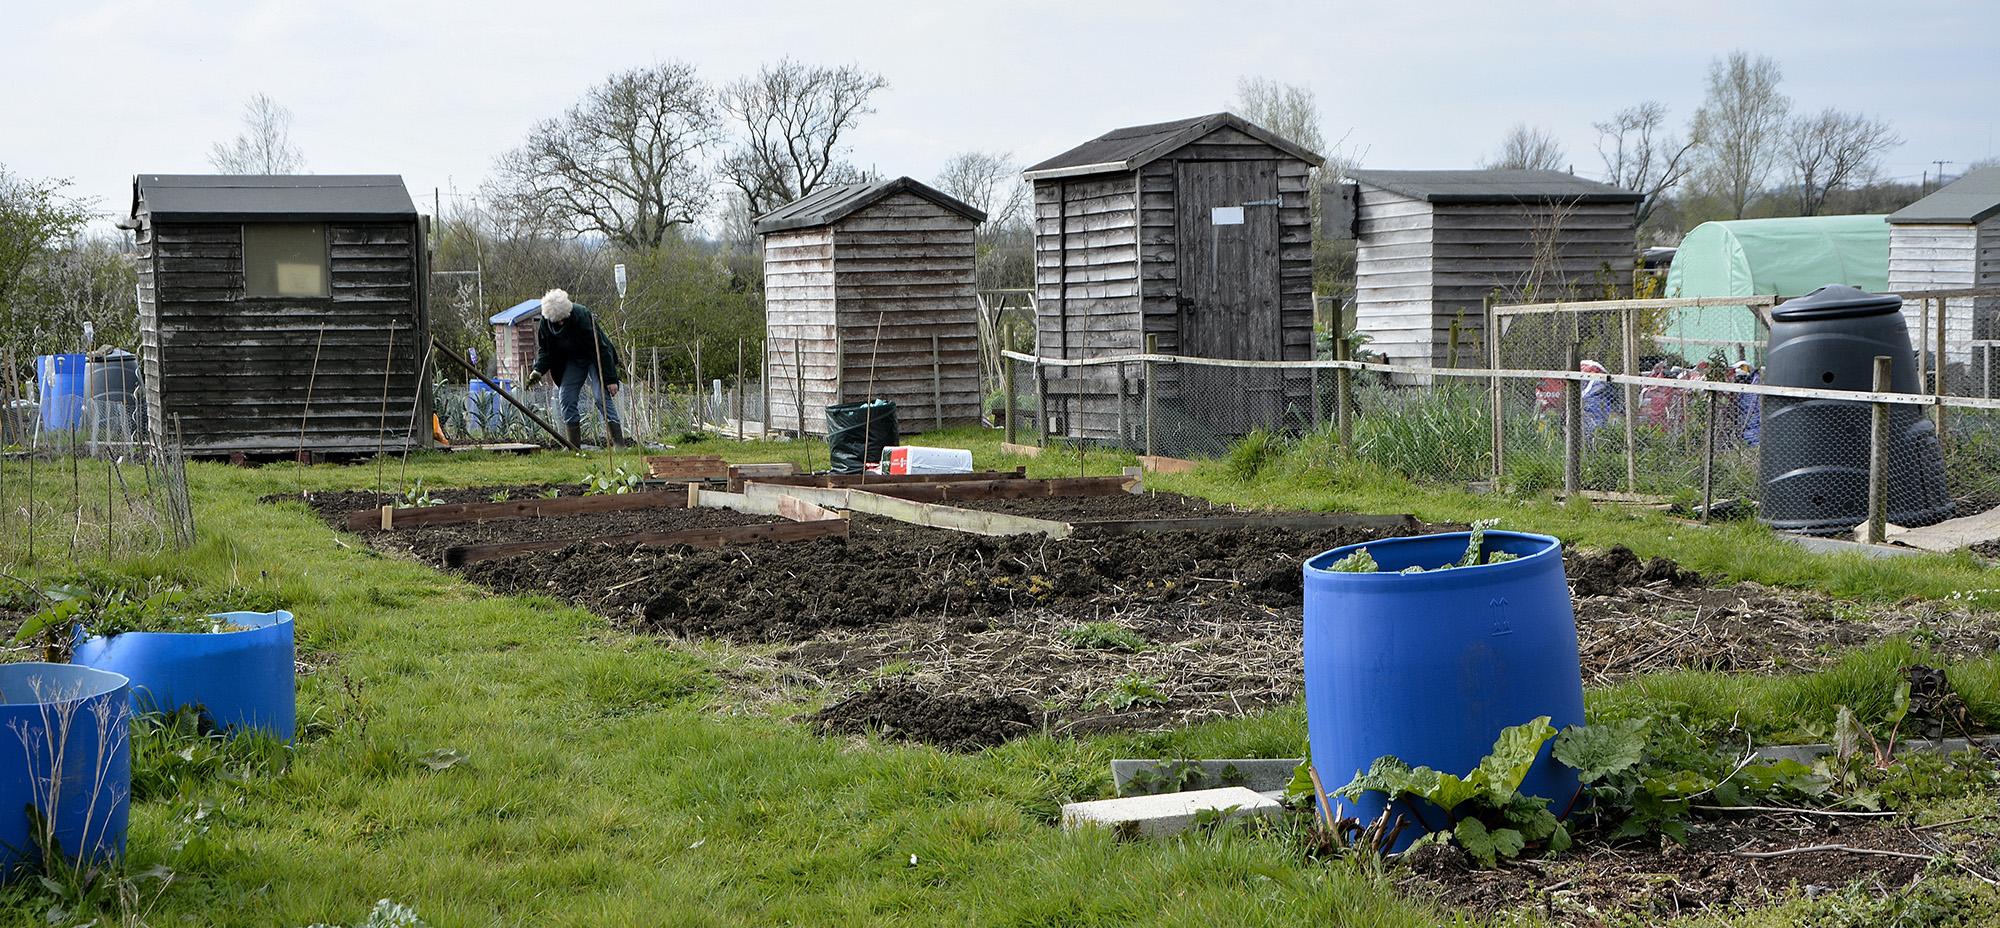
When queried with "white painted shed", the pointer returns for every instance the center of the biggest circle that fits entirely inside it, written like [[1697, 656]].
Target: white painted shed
[[1950, 240]]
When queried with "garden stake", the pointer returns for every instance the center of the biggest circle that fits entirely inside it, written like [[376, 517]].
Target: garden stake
[[387, 366], [311, 376]]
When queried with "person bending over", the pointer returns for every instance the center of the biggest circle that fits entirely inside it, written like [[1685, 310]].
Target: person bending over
[[575, 353]]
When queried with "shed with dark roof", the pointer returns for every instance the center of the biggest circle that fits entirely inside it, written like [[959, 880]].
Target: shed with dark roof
[[281, 313], [870, 292], [1432, 246], [1950, 240], [1197, 233]]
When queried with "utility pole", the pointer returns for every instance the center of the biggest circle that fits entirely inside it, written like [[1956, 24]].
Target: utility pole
[[1940, 173]]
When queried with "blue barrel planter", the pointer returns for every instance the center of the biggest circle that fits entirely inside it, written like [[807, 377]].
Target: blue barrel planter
[[61, 378], [241, 679], [67, 751], [484, 409], [1431, 666]]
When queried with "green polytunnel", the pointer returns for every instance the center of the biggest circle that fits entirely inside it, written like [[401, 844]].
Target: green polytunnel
[[1782, 257]]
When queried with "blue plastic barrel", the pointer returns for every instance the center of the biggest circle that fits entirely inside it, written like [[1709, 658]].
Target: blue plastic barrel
[[1431, 666], [485, 409], [242, 679], [66, 750], [61, 377]]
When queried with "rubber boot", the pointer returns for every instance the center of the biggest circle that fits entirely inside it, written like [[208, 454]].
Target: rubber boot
[[618, 439], [574, 432]]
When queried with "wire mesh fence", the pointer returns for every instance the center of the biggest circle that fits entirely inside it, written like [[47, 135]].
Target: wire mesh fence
[[1697, 434], [472, 413]]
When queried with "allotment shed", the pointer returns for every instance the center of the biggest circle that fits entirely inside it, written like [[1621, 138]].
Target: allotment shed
[[1950, 240], [870, 292], [1431, 246], [1197, 232], [282, 313], [515, 333]]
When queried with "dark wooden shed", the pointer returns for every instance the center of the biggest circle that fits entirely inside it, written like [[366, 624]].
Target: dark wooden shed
[[1197, 231], [281, 313], [870, 292]]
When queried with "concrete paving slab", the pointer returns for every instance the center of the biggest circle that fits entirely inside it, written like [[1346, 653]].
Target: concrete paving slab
[[1952, 534], [1165, 814]]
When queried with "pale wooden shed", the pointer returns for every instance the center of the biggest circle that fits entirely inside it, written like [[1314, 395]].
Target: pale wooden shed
[[1197, 232], [1950, 240], [1433, 245], [870, 293]]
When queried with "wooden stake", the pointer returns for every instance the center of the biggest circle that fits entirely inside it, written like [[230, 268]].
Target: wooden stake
[[1878, 455]]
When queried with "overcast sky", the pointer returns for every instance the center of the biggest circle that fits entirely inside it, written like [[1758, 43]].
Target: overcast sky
[[99, 91]]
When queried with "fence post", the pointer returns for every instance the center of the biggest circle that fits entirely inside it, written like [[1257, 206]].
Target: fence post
[[1573, 425], [1491, 320], [736, 396], [1631, 366], [937, 384], [1041, 404], [1124, 436], [840, 371], [764, 388], [1343, 395], [799, 383], [1007, 391], [700, 395], [1938, 361], [1152, 347], [1708, 460], [1878, 456]]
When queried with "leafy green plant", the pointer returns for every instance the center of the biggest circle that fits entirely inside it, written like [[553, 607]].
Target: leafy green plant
[[619, 480], [172, 751], [1485, 812], [1133, 690], [416, 495], [102, 604], [1361, 562], [1103, 636]]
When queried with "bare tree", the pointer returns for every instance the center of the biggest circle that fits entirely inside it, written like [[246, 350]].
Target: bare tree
[[793, 118], [1740, 128], [626, 161], [1640, 156], [1528, 148], [265, 144], [989, 181], [1833, 150]]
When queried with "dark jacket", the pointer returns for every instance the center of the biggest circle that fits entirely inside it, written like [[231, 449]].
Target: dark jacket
[[560, 346]]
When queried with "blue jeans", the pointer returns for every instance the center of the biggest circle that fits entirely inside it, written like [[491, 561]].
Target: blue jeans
[[575, 377]]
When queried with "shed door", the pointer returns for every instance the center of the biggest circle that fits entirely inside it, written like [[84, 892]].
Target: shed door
[[1227, 265]]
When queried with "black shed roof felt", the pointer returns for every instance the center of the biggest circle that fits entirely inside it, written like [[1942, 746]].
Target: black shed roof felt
[[271, 197], [1495, 186], [832, 204], [1130, 148], [1971, 199]]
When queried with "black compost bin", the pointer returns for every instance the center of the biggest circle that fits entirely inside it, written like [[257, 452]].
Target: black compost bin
[[857, 432], [1813, 464]]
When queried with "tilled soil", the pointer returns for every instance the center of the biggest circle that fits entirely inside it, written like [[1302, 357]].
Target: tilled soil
[[966, 641]]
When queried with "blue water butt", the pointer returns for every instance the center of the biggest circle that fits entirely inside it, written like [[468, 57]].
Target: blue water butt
[[484, 408], [242, 679], [1431, 666], [66, 749], [61, 377]]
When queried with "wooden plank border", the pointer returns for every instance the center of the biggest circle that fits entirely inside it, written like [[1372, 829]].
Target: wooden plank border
[[394, 517]]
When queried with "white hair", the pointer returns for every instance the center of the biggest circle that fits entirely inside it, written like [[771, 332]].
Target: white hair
[[556, 305]]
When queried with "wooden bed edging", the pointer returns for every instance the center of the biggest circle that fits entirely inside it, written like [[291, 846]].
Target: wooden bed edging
[[393, 517]]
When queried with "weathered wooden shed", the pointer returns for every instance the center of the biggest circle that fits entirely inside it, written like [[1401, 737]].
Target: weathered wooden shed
[[1432, 245], [515, 334], [1196, 231], [1951, 240], [870, 293], [281, 313]]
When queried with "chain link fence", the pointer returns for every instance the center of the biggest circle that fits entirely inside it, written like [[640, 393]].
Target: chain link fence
[[1641, 400]]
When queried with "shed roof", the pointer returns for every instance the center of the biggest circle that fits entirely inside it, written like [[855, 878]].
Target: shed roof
[[271, 197], [1495, 186], [517, 312], [832, 204], [1970, 199], [1132, 147]]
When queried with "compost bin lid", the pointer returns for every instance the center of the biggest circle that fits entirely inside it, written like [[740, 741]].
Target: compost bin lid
[[1837, 301]]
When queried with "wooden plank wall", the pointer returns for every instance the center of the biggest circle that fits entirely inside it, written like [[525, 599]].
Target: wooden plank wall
[[246, 374], [885, 280], [514, 350], [799, 324], [1420, 267], [1939, 257], [1112, 238]]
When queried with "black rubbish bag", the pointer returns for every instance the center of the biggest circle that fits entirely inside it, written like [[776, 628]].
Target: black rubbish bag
[[857, 433]]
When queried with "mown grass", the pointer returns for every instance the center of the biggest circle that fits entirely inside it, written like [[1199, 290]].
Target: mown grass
[[613, 779]]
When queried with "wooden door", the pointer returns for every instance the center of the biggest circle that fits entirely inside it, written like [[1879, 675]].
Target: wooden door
[[1226, 261]]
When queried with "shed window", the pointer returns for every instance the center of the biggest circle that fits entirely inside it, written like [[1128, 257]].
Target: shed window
[[284, 259]]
